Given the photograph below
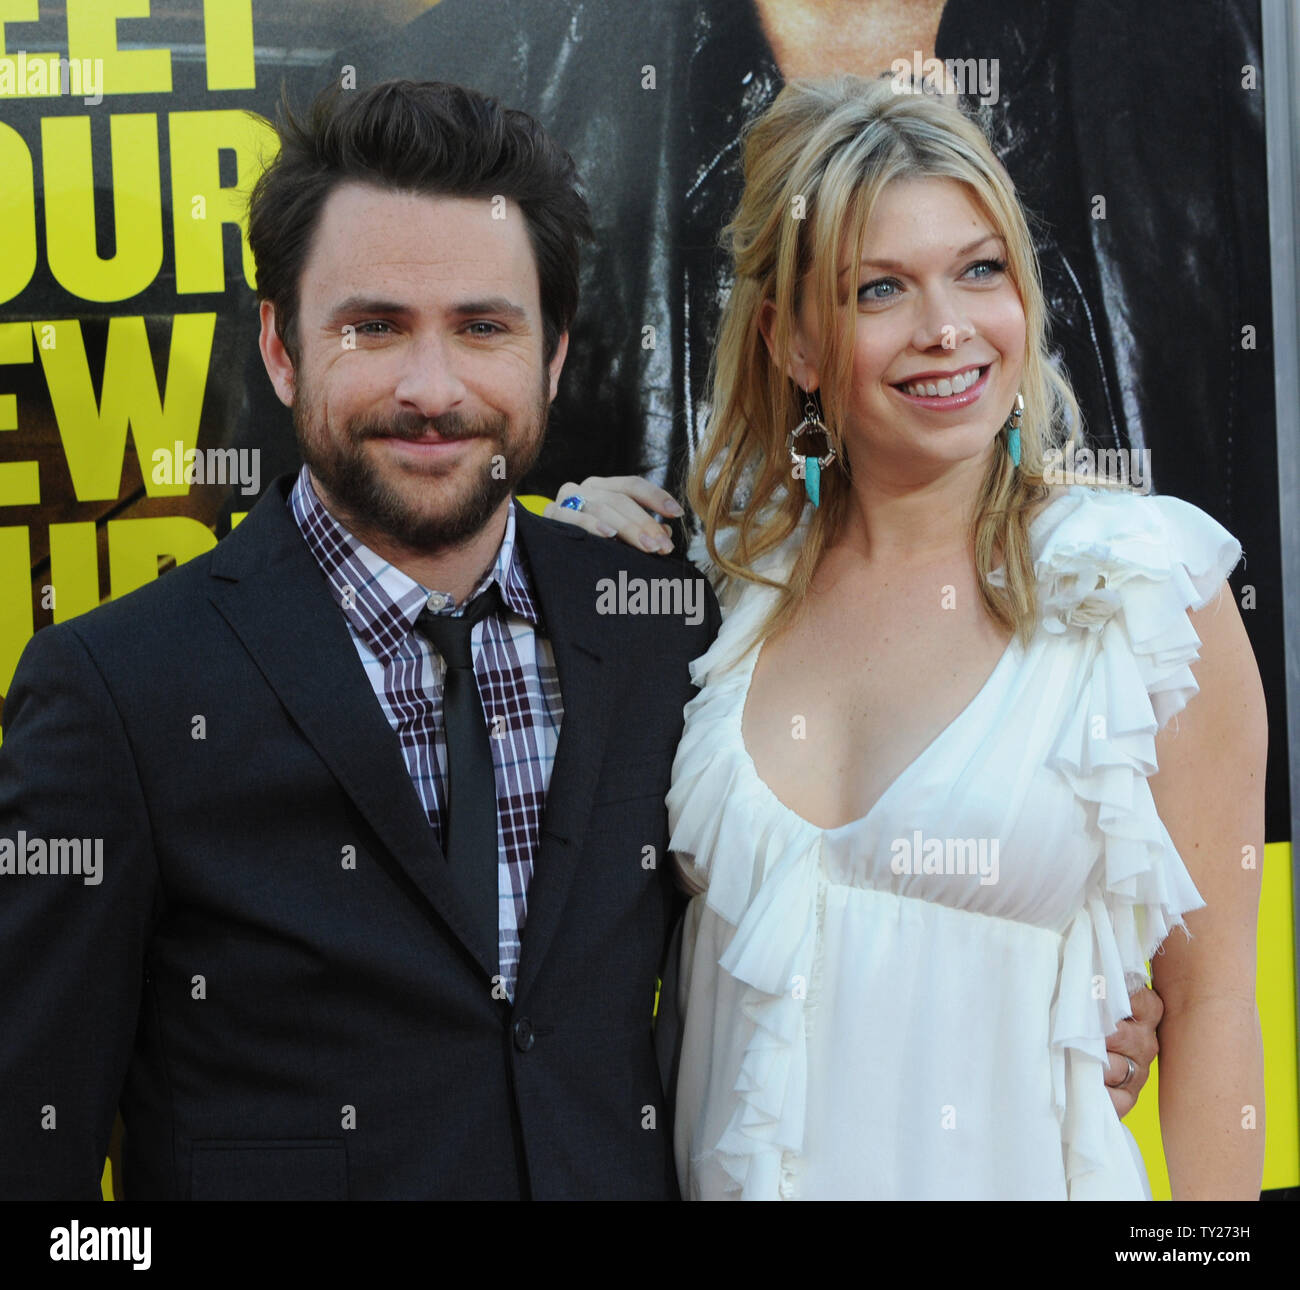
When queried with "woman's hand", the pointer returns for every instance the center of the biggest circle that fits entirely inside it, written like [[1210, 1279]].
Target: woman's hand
[[623, 506]]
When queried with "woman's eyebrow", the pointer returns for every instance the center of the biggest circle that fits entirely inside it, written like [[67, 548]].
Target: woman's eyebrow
[[957, 255]]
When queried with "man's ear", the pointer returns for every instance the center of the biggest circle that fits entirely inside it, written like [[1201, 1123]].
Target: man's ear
[[279, 366], [557, 362], [801, 364]]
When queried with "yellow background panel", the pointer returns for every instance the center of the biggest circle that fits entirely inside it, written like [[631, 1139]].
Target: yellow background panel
[[1275, 993]]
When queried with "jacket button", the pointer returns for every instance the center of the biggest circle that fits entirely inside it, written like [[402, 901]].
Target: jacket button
[[524, 1037]]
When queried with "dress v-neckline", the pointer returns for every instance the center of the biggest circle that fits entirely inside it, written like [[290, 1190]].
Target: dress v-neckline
[[1012, 650]]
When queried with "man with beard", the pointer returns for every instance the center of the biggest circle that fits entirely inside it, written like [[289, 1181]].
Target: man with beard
[[379, 793]]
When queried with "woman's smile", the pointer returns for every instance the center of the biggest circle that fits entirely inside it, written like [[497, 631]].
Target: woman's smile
[[945, 392]]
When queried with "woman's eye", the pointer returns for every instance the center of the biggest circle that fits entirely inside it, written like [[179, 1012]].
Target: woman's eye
[[982, 269], [881, 289]]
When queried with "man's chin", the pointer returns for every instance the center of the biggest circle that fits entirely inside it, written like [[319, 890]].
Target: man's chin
[[423, 507]]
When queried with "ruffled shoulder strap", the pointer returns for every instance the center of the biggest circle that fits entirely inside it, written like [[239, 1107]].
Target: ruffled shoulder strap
[[1123, 569], [1102, 554]]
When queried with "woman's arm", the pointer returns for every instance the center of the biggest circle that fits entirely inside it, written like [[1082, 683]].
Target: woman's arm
[[1209, 792], [623, 506]]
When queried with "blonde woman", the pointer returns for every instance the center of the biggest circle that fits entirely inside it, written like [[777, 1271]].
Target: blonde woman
[[930, 797]]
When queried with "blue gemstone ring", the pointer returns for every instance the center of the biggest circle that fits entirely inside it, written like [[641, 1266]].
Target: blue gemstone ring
[[574, 503]]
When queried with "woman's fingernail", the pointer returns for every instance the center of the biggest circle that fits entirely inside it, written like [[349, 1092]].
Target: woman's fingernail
[[672, 508], [650, 541], [605, 531]]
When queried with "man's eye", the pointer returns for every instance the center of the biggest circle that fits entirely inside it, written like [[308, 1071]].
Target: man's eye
[[483, 328], [881, 289], [374, 328]]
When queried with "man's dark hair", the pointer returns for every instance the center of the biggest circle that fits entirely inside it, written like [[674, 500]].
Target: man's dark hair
[[421, 137]]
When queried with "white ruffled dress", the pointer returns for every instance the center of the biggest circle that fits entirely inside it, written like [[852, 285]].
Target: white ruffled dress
[[915, 1005]]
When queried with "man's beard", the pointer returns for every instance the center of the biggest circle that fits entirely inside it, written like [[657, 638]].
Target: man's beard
[[369, 504]]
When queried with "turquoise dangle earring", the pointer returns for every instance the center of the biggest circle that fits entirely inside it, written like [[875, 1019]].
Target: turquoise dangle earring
[[1013, 429], [811, 466]]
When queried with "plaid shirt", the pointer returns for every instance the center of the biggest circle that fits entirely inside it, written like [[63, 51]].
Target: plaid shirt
[[517, 683]]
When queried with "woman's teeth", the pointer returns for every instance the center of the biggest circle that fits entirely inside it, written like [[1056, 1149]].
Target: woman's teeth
[[942, 388]]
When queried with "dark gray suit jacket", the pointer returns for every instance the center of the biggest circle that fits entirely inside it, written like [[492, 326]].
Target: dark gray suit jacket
[[275, 978]]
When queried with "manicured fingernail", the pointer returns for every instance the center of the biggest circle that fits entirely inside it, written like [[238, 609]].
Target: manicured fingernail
[[605, 531], [650, 541], [671, 508]]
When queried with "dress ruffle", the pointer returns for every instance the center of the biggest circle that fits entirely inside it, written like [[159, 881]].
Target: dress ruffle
[[1125, 570], [759, 867], [1120, 568]]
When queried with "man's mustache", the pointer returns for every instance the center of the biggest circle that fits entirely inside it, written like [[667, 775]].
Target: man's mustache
[[412, 426]]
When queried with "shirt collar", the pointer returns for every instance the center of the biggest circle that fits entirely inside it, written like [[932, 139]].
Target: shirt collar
[[380, 602]]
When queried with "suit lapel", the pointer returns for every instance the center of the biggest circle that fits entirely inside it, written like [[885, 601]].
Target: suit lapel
[[564, 571], [271, 591]]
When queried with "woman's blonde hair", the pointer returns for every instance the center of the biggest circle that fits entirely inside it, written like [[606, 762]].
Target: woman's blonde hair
[[815, 164]]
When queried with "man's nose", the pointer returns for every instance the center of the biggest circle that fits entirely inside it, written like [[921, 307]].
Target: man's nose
[[429, 382]]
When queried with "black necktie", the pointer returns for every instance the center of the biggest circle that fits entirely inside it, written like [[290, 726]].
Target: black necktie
[[469, 824]]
